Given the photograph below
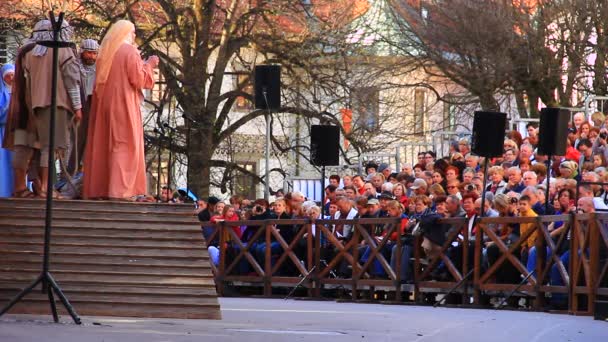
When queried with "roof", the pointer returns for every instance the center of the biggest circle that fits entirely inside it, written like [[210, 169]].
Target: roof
[[380, 31]]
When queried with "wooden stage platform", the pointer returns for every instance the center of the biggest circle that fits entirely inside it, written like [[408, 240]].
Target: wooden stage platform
[[110, 258]]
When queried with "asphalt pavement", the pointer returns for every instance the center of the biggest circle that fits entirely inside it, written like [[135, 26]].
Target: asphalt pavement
[[251, 320]]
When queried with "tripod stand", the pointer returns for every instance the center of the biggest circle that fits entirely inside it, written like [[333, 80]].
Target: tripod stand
[[49, 285]]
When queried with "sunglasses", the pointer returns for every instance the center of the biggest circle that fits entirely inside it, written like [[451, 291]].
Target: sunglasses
[[452, 187]]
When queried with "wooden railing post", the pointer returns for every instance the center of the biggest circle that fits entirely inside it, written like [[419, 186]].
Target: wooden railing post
[[315, 275], [222, 270], [465, 263], [477, 263], [572, 265], [268, 261], [397, 270], [541, 251], [594, 262], [417, 256], [355, 261]]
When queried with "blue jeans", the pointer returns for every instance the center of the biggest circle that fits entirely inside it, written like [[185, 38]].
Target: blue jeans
[[531, 264], [406, 252], [259, 251], [557, 280], [376, 268]]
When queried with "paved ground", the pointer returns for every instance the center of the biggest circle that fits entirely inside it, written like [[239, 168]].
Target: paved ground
[[278, 320]]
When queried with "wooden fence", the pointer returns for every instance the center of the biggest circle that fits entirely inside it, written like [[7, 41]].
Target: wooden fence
[[317, 258]]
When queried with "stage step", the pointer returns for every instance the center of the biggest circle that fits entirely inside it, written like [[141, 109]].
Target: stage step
[[110, 258]]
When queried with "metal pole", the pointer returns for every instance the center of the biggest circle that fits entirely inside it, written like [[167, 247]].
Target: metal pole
[[485, 183], [188, 159], [323, 190], [548, 183], [267, 152]]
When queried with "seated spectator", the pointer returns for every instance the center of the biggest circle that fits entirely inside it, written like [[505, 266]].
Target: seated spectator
[[453, 188], [497, 183], [346, 211], [419, 187], [359, 184], [347, 180], [350, 192], [399, 193], [377, 180], [370, 190], [228, 214], [525, 210], [334, 180], [514, 184], [441, 206], [385, 170]]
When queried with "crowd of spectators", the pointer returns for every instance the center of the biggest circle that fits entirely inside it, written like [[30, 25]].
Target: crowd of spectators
[[451, 186]]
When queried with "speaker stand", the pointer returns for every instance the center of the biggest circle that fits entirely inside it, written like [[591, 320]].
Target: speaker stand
[[323, 192], [485, 184], [548, 183]]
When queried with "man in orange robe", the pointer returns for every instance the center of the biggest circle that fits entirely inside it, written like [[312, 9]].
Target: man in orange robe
[[114, 165]]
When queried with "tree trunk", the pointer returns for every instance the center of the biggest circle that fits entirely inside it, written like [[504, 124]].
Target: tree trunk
[[199, 175]]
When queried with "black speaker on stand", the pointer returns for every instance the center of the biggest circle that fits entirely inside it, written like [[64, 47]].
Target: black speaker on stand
[[324, 151], [267, 96], [552, 138], [267, 87]]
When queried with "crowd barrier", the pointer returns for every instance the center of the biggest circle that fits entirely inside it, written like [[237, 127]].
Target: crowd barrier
[[316, 259]]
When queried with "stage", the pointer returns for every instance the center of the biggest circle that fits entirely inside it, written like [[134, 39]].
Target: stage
[[111, 258]]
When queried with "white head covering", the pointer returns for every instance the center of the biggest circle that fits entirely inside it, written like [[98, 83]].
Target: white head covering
[[89, 45], [43, 31]]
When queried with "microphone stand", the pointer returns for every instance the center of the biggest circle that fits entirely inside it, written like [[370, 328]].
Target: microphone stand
[[188, 132], [161, 136], [267, 147], [169, 166], [49, 285]]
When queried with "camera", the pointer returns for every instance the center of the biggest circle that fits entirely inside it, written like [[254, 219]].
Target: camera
[[603, 135], [258, 209], [470, 187]]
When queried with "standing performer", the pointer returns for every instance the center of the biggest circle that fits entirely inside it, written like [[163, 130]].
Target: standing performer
[[7, 73], [88, 58], [20, 132], [114, 164], [37, 67]]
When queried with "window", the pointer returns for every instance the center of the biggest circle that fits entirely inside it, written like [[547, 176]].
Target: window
[[366, 105], [449, 114], [242, 103], [419, 110], [3, 48], [244, 184]]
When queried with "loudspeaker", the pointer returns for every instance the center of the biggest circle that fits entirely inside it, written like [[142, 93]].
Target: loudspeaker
[[488, 133], [553, 131], [267, 87], [324, 145]]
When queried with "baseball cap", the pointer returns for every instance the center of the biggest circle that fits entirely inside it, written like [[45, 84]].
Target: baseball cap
[[373, 201], [386, 195], [382, 167], [419, 182]]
